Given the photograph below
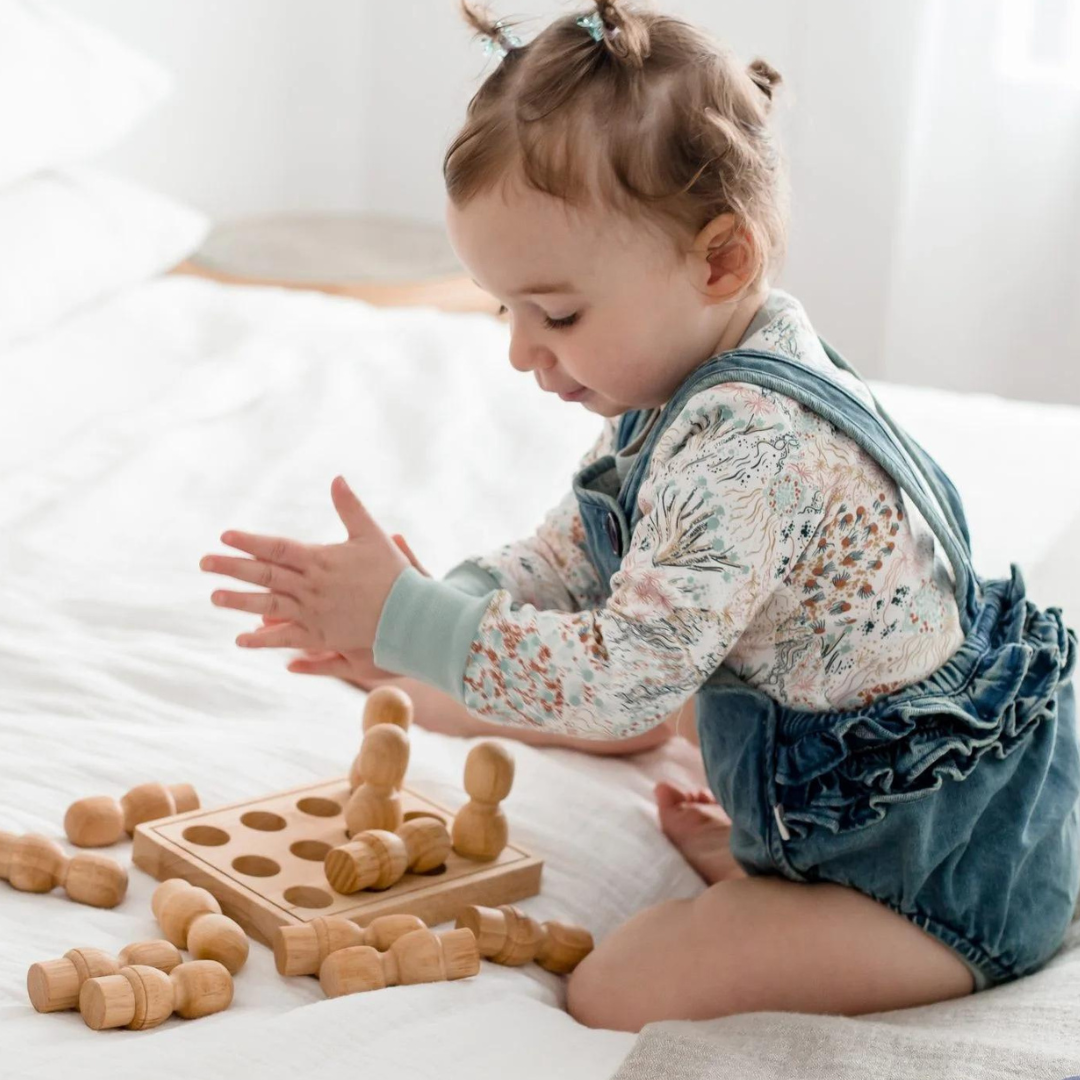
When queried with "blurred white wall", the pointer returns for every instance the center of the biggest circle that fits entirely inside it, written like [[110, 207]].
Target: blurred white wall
[[902, 162], [269, 110]]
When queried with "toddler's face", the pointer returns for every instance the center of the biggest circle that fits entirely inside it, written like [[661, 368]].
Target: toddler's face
[[595, 300]]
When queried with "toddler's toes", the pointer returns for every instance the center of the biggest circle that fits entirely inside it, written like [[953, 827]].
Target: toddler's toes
[[669, 796], [695, 823]]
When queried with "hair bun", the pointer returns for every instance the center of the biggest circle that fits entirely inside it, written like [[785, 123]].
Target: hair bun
[[765, 77], [626, 35], [483, 23]]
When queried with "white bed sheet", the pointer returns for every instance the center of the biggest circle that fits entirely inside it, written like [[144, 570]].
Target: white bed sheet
[[130, 438]]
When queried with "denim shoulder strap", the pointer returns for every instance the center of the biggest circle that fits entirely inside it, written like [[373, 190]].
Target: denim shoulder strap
[[630, 425], [951, 503], [910, 467]]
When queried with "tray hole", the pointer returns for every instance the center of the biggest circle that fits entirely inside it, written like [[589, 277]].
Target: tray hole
[[256, 866], [306, 896], [312, 850], [263, 820], [319, 807], [206, 835], [412, 814]]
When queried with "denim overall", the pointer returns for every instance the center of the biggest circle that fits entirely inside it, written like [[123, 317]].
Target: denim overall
[[954, 801]]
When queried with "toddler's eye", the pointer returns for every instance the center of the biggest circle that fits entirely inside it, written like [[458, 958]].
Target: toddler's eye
[[556, 324]]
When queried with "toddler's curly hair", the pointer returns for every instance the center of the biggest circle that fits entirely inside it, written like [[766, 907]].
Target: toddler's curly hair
[[654, 116]]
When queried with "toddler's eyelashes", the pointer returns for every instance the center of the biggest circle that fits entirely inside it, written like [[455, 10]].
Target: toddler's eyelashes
[[550, 323]]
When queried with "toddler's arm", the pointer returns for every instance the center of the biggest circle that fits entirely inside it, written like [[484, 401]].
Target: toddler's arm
[[549, 570], [436, 711], [723, 517]]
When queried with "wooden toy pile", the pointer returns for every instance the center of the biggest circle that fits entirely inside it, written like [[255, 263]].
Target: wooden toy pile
[[342, 878]]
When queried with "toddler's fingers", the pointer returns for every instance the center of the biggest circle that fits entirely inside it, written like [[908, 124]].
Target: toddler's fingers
[[668, 795], [274, 549], [287, 635], [319, 664], [400, 541]]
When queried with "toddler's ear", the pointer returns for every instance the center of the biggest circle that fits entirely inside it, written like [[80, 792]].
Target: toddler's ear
[[723, 258]]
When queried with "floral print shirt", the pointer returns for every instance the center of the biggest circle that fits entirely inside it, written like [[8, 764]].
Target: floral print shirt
[[768, 541]]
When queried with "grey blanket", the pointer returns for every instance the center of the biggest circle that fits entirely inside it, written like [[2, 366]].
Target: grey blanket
[[1026, 1029]]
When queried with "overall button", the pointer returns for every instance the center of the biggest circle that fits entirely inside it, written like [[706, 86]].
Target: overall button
[[613, 533]]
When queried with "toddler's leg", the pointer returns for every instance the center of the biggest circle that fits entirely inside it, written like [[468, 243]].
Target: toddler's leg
[[753, 944], [437, 711]]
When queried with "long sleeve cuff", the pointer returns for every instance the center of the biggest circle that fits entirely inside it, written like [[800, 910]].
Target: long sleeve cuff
[[471, 578], [426, 630]]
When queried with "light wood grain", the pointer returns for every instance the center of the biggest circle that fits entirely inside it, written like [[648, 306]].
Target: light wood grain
[[384, 705], [274, 833], [376, 859], [480, 828], [300, 950], [101, 820], [34, 863], [376, 802], [54, 985], [420, 956], [506, 935], [140, 997], [192, 919]]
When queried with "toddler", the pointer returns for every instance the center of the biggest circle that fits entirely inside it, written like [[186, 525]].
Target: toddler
[[751, 538]]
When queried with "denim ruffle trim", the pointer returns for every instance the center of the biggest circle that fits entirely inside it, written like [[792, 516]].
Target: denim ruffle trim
[[1000, 684]]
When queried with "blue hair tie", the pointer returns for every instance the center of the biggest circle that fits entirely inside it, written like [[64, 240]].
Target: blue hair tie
[[594, 24], [502, 42]]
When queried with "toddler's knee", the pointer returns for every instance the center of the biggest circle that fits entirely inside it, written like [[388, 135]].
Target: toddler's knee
[[600, 993], [621, 984], [588, 1000]]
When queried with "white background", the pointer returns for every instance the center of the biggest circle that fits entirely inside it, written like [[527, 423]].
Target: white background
[[934, 149]]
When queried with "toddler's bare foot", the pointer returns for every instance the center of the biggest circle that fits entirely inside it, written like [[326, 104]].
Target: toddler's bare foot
[[697, 825]]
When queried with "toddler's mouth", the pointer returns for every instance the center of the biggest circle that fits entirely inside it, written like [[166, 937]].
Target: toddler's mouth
[[580, 392]]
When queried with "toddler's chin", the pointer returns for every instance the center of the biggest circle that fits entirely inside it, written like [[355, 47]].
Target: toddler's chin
[[594, 403]]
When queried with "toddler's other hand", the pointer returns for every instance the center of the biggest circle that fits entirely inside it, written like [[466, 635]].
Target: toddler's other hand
[[321, 596], [400, 541], [355, 666]]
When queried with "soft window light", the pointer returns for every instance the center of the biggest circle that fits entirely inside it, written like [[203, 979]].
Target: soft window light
[[1039, 41]]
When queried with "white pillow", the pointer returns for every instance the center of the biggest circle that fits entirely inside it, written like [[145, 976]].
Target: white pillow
[[75, 235], [67, 89]]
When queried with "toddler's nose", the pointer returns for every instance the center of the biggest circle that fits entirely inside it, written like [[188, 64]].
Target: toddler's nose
[[525, 356]]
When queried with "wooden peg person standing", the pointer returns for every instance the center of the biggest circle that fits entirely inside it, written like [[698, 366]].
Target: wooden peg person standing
[[384, 705], [480, 828], [375, 804]]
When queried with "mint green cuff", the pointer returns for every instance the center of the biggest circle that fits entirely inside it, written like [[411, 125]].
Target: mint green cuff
[[469, 577], [426, 630]]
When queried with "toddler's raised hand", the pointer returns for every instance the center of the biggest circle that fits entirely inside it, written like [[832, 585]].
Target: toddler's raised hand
[[327, 596], [355, 666]]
